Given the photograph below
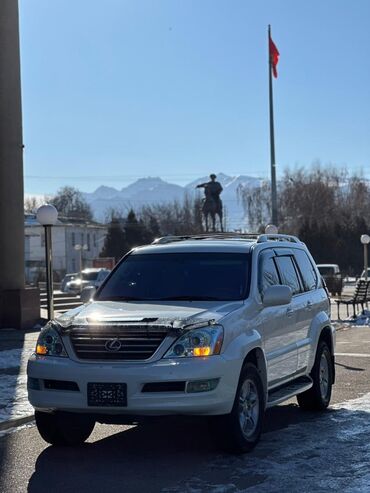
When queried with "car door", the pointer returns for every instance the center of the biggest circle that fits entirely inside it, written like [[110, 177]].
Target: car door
[[314, 301], [278, 324]]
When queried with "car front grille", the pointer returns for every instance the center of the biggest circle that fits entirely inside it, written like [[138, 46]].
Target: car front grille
[[117, 342]]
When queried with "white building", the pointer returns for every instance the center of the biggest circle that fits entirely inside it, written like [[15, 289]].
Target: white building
[[65, 235]]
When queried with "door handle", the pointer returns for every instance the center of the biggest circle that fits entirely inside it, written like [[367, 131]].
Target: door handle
[[309, 305], [289, 312]]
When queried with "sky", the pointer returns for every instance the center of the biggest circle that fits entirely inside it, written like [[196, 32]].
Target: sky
[[117, 90]]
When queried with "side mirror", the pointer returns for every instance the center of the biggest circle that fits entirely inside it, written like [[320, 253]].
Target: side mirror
[[87, 294], [277, 295]]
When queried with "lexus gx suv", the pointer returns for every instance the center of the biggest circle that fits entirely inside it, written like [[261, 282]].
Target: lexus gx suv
[[222, 326]]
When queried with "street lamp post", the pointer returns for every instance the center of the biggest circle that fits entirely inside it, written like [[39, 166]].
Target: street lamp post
[[47, 216], [365, 240], [79, 249]]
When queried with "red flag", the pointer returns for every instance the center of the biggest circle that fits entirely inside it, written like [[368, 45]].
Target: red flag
[[274, 57]]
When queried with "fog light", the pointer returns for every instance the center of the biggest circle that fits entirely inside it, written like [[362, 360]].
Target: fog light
[[202, 385]]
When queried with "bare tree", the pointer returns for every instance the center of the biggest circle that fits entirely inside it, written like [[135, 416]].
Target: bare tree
[[176, 218], [70, 203], [32, 203], [257, 204], [324, 206]]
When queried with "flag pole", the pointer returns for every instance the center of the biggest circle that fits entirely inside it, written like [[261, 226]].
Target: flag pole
[[274, 216]]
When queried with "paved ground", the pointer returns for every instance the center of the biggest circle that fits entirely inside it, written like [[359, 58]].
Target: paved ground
[[298, 452]]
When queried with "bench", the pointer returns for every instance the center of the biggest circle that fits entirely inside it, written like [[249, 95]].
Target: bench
[[360, 297]]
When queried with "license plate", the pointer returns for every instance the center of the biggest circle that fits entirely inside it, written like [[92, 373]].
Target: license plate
[[107, 394]]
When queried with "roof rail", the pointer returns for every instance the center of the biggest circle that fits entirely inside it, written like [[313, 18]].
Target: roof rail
[[205, 236], [277, 237], [220, 236], [168, 239]]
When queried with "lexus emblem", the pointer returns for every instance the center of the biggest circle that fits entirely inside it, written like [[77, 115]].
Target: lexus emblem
[[113, 345]]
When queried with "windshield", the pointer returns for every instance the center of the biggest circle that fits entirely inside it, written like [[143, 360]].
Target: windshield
[[179, 276], [90, 276]]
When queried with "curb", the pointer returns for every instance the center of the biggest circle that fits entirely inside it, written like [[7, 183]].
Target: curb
[[13, 423]]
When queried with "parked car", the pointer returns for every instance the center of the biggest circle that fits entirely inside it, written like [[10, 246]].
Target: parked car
[[67, 278], [222, 327], [89, 277], [332, 277]]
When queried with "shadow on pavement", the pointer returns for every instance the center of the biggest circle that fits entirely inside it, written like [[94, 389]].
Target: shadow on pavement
[[351, 368], [145, 458]]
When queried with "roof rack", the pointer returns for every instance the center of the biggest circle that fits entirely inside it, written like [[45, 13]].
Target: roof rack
[[220, 236], [277, 237]]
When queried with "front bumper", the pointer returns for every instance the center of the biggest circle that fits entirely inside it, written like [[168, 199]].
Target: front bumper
[[214, 402]]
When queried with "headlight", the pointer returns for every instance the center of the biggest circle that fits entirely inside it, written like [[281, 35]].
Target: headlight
[[50, 343], [205, 341]]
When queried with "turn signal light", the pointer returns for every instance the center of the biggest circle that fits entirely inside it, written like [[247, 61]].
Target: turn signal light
[[41, 349], [202, 351]]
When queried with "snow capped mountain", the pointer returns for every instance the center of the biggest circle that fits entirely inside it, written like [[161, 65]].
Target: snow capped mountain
[[153, 190], [229, 182], [104, 192]]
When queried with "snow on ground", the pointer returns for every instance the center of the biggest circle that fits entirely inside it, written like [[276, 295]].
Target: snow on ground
[[13, 384], [361, 319], [12, 358], [16, 429], [329, 453]]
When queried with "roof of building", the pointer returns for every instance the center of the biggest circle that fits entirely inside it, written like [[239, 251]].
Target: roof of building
[[30, 220]]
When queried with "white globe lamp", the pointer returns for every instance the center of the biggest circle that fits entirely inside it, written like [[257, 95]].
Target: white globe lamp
[[47, 216]]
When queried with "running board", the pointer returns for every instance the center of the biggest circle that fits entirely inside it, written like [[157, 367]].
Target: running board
[[290, 389]]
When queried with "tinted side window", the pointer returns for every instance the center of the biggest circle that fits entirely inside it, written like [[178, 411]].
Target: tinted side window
[[288, 273], [268, 275], [307, 270]]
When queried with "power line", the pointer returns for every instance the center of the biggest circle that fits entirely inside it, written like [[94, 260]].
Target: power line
[[137, 176]]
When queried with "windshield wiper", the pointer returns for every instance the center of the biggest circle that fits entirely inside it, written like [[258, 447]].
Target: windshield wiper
[[189, 298]]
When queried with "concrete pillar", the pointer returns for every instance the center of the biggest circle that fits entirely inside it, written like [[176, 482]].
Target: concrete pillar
[[19, 307]]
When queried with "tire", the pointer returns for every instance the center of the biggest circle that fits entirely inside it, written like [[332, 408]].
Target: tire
[[317, 398], [64, 428], [248, 411]]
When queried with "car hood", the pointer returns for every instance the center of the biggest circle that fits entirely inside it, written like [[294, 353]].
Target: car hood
[[171, 312]]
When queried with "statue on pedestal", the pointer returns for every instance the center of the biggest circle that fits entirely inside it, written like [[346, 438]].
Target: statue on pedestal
[[212, 203]]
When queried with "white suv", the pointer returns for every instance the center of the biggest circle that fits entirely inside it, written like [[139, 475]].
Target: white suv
[[223, 325]]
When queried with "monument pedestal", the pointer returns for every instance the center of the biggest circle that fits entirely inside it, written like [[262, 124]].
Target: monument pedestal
[[19, 308]]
